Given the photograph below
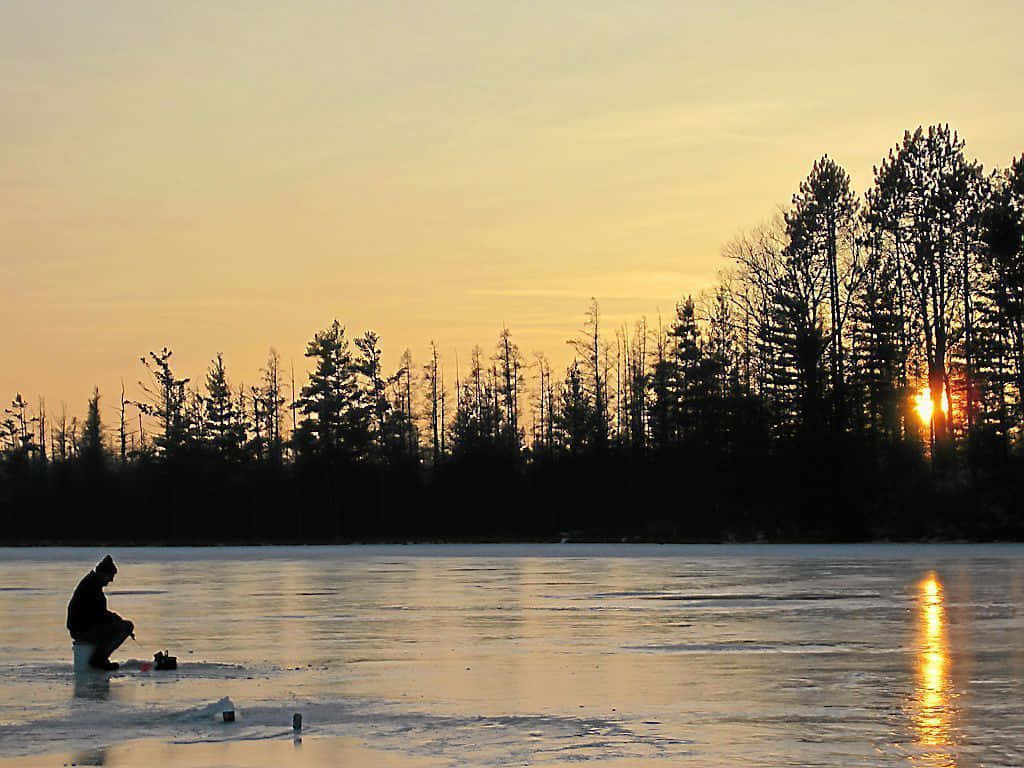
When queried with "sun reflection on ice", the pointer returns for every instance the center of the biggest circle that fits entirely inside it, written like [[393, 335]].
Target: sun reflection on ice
[[932, 710]]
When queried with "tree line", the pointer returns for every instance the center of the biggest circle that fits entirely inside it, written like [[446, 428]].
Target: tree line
[[857, 372]]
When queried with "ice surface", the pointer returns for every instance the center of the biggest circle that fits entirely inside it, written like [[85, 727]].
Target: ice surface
[[531, 655]]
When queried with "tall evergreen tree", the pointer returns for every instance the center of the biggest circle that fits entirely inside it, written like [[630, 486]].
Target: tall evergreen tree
[[877, 352], [576, 414], [663, 406], [821, 230], [374, 404], [686, 389], [19, 428], [221, 425], [801, 297], [333, 424], [1003, 289], [168, 402], [938, 180], [91, 449]]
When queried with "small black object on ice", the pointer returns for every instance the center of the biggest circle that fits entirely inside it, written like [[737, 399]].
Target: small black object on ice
[[162, 661], [229, 715]]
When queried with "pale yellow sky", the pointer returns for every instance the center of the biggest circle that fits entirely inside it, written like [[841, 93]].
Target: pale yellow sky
[[227, 176]]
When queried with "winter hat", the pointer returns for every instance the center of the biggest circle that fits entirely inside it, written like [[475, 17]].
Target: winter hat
[[106, 565]]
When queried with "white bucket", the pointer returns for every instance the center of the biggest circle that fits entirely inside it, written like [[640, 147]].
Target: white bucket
[[81, 652]]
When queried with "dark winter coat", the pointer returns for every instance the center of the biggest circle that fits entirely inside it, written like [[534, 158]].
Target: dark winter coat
[[88, 606]]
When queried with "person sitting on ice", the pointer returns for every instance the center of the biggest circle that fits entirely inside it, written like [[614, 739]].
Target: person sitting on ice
[[89, 621]]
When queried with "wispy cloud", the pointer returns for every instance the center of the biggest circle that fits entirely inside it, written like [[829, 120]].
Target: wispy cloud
[[640, 285]]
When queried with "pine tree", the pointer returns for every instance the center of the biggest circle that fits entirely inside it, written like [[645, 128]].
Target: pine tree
[[374, 404], [19, 428], [168, 401], [801, 296], [221, 428], [1002, 308], [876, 350], [664, 405], [576, 413], [717, 384], [333, 424], [821, 230], [937, 185], [687, 384], [91, 450]]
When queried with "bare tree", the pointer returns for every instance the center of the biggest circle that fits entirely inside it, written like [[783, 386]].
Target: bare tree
[[594, 354], [435, 408]]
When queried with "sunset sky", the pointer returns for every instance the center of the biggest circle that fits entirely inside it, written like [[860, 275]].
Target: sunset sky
[[230, 176]]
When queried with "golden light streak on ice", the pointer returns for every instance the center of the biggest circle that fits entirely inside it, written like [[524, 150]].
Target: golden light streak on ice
[[932, 705]]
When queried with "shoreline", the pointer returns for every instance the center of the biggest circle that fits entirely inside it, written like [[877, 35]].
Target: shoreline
[[584, 542]]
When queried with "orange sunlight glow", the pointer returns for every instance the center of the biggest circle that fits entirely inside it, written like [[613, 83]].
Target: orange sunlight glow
[[923, 404]]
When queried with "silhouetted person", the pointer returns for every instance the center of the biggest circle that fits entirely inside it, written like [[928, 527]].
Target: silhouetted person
[[89, 621]]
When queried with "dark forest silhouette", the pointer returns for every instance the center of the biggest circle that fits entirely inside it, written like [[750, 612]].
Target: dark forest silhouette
[[858, 372]]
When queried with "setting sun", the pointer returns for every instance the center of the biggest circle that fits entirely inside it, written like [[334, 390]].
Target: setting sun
[[923, 405]]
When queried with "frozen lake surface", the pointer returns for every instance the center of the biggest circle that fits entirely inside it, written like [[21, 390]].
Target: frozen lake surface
[[539, 655]]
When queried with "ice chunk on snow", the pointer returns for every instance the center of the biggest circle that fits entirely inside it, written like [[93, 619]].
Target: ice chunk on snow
[[213, 710]]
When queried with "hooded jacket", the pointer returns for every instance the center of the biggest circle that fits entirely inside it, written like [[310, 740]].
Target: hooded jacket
[[88, 606]]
